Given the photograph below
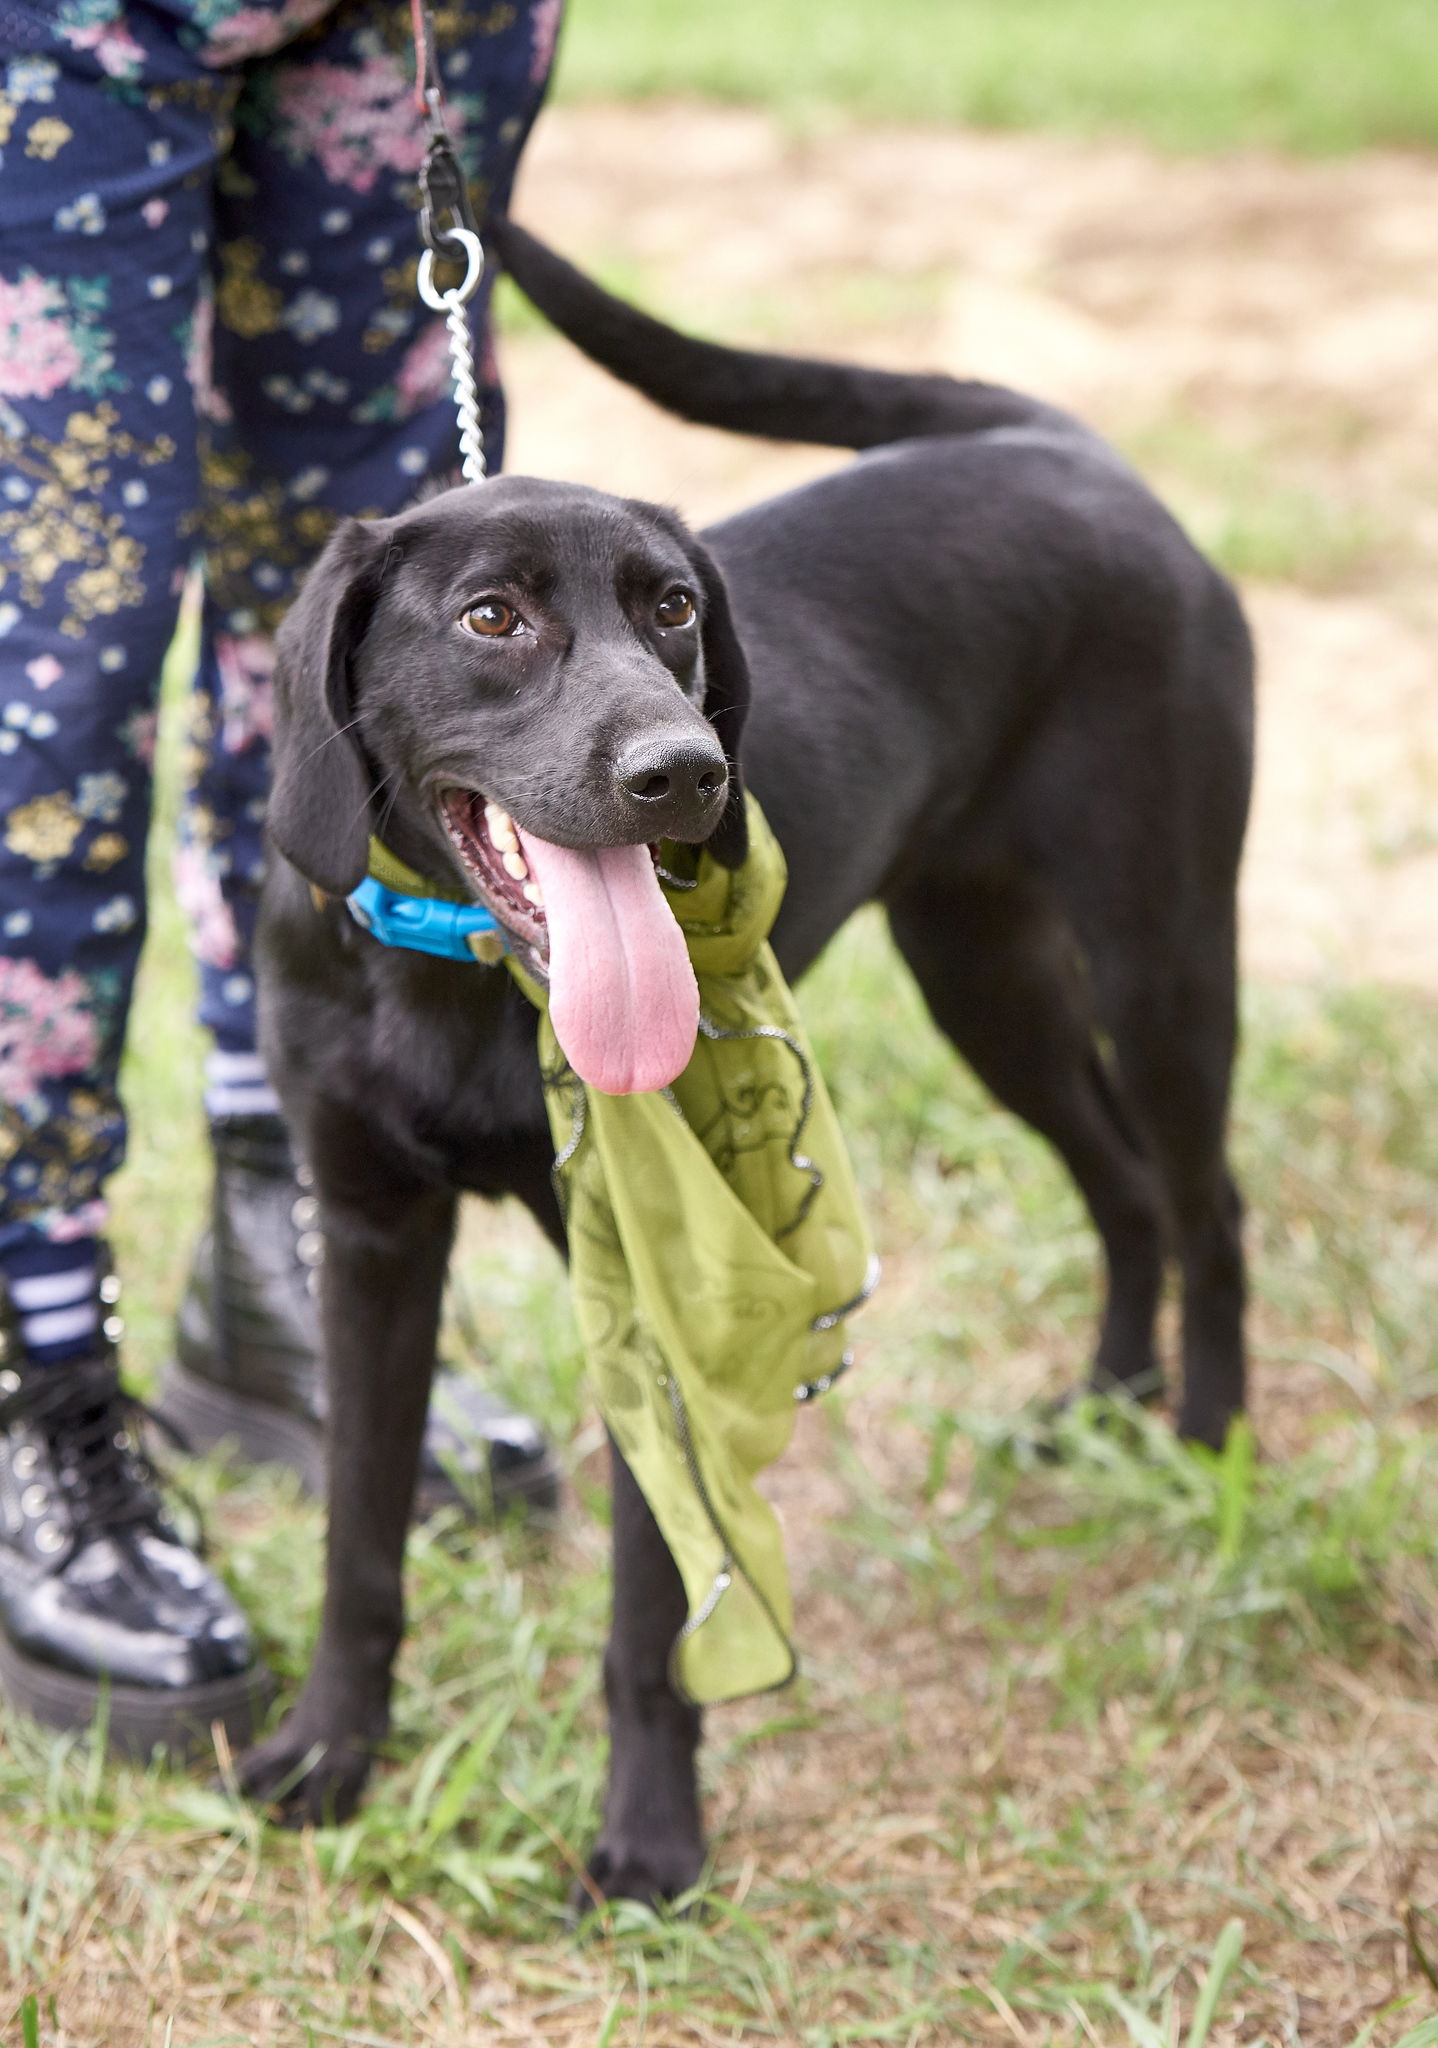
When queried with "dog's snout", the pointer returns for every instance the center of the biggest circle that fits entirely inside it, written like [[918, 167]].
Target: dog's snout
[[681, 781]]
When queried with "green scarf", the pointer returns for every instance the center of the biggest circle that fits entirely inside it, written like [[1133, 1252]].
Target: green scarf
[[716, 1243]]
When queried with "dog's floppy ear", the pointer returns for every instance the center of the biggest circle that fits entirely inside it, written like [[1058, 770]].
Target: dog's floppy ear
[[726, 700], [318, 813]]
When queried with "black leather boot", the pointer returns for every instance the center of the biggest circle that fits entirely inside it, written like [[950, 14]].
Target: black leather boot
[[246, 1368], [98, 1594]]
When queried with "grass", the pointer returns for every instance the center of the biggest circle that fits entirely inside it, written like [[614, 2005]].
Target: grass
[[1135, 1748], [1269, 514], [1312, 76]]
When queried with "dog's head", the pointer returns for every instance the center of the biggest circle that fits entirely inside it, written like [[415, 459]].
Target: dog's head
[[512, 682]]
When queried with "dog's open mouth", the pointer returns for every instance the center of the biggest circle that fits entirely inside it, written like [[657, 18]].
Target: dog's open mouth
[[593, 923], [486, 840]]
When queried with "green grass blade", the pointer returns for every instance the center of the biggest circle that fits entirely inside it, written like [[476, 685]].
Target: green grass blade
[[1235, 1490], [455, 1793], [1424, 2036], [1226, 1951], [1142, 2031], [605, 2037]]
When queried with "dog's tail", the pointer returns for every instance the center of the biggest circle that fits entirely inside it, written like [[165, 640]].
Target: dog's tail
[[786, 398]]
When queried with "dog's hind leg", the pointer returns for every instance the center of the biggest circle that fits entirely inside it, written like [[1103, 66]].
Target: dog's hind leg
[[1135, 814], [387, 1243], [1152, 899], [651, 1845], [1003, 977], [1172, 1014]]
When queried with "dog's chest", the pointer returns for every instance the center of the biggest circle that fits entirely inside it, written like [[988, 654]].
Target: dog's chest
[[453, 1054]]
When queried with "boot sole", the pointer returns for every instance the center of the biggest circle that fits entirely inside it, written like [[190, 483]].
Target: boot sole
[[140, 1719], [207, 1417]]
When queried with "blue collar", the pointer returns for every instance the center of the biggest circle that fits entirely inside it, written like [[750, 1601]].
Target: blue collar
[[427, 924]]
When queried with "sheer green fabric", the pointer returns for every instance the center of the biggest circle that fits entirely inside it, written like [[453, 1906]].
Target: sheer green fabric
[[716, 1243]]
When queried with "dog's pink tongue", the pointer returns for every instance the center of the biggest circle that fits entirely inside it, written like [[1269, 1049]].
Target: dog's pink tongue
[[622, 995]]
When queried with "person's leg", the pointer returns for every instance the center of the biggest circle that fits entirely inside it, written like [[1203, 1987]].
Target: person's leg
[[106, 224], [329, 394]]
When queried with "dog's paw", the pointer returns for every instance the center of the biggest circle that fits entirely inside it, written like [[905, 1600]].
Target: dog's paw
[[304, 1782], [1207, 1424], [653, 1875], [1048, 1432]]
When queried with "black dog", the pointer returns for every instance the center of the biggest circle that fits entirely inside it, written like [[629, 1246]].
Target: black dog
[[993, 685]]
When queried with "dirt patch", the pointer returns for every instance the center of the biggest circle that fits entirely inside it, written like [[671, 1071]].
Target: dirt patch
[[1260, 334]]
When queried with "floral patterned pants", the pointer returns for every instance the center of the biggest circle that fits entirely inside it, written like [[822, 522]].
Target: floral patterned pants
[[210, 347]]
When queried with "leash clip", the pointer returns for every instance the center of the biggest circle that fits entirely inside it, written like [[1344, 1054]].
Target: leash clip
[[444, 189]]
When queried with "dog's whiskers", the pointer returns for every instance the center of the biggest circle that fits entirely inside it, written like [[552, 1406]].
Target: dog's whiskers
[[387, 812], [339, 733]]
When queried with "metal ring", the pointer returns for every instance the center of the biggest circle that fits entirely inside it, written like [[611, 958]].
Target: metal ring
[[459, 294]]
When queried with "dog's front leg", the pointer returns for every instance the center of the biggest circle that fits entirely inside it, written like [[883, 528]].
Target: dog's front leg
[[651, 1846], [385, 1255]]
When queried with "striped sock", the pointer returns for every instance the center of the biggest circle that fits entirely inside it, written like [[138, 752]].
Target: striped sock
[[55, 1290], [236, 1085]]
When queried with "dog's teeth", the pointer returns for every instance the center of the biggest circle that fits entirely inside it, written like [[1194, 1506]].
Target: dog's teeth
[[534, 894], [501, 829], [514, 866]]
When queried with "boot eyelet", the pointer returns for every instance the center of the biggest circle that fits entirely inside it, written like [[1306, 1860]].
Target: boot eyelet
[[49, 1537], [305, 1213], [9, 1382], [34, 1501], [114, 1328], [24, 1461], [304, 1176], [310, 1249], [312, 1282], [123, 1440], [110, 1289]]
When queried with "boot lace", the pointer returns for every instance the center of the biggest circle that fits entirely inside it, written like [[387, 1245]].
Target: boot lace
[[91, 1425]]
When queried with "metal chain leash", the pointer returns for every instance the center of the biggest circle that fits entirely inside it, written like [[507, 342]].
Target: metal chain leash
[[447, 227], [461, 349]]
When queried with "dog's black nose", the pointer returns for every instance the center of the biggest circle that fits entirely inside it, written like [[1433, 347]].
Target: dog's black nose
[[681, 782]]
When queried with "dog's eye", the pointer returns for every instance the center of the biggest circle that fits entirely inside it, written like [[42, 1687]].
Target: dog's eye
[[491, 618], [675, 608]]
